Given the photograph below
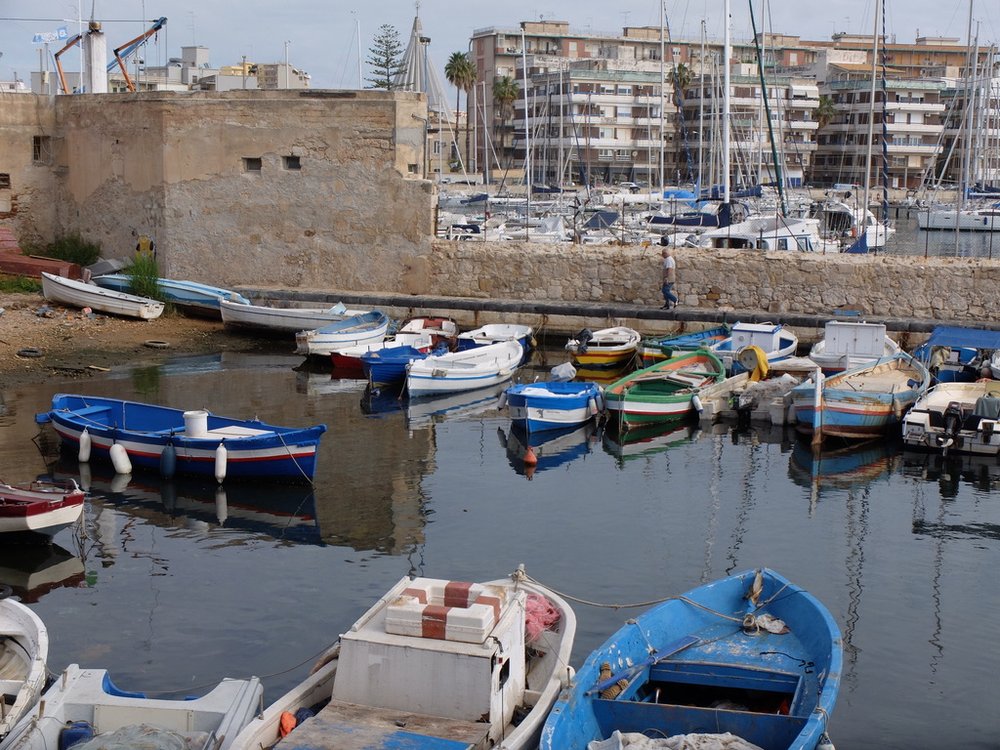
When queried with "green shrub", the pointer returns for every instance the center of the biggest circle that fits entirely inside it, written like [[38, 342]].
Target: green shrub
[[17, 284], [74, 249], [144, 276]]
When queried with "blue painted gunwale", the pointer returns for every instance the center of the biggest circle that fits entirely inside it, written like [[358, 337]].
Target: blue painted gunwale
[[694, 644], [551, 405], [144, 430]]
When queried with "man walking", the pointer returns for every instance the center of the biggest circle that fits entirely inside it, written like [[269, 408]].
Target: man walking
[[669, 279]]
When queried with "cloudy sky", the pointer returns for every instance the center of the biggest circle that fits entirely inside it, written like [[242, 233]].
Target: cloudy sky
[[321, 37]]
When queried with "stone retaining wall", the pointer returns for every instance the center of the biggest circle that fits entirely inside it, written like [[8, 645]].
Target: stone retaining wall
[[956, 289]]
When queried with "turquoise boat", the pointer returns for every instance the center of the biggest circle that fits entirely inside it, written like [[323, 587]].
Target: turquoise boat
[[190, 295], [655, 349], [752, 654]]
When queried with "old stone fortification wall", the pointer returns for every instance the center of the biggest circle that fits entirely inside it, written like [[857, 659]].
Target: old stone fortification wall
[[877, 285], [336, 199], [27, 206]]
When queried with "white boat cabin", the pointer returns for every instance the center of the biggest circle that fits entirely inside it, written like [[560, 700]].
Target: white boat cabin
[[766, 336], [438, 648]]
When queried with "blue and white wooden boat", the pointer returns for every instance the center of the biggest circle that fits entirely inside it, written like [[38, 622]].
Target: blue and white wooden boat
[[84, 703], [471, 369], [190, 295], [551, 405], [357, 330], [958, 354], [653, 349], [172, 441], [752, 654], [386, 365], [863, 402], [493, 333], [776, 341]]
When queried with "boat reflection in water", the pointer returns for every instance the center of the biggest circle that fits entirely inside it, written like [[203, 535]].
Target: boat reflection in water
[[602, 377], [427, 410], [636, 442], [551, 448], [34, 570], [380, 400], [845, 467], [980, 472], [284, 512], [314, 382]]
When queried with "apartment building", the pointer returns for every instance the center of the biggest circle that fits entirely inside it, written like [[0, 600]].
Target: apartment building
[[814, 148]]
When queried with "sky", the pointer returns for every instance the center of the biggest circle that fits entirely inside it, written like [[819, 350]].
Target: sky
[[321, 37]]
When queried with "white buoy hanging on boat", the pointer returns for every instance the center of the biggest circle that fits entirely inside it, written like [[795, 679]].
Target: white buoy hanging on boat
[[120, 460], [84, 454], [502, 401], [592, 406], [696, 403], [825, 743], [221, 459]]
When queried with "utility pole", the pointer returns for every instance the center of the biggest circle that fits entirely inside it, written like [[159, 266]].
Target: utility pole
[[286, 62], [244, 71]]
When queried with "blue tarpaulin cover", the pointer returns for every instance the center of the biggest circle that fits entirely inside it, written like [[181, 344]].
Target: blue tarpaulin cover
[[956, 336]]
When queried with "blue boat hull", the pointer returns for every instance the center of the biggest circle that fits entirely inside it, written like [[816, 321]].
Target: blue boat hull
[[694, 664], [388, 366], [254, 449], [537, 407], [191, 295]]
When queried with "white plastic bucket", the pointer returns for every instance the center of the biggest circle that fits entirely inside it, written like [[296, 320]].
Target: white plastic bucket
[[196, 423]]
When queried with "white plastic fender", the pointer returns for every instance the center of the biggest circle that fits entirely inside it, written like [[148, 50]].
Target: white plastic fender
[[221, 459], [592, 406], [600, 400], [502, 401], [696, 403], [84, 454], [120, 460]]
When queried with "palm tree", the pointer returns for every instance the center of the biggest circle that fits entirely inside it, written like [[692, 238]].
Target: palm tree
[[826, 110], [461, 73], [505, 93]]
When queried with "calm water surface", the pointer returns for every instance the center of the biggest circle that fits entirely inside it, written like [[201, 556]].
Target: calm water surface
[[178, 584]]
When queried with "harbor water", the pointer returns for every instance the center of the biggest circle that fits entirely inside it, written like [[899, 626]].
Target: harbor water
[[176, 584]]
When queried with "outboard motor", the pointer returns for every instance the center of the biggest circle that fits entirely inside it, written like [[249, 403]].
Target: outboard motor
[[952, 425], [582, 338]]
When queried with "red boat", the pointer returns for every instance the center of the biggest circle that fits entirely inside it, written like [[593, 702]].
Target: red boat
[[39, 508]]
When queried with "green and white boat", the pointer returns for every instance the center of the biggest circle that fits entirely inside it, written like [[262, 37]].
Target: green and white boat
[[664, 391]]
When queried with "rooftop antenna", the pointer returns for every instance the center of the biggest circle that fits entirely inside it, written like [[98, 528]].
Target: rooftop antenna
[[194, 40]]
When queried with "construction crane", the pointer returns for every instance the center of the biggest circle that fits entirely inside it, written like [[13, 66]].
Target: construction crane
[[128, 49]]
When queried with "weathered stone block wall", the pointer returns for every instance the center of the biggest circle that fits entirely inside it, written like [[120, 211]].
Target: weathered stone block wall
[[882, 285], [337, 200], [27, 206]]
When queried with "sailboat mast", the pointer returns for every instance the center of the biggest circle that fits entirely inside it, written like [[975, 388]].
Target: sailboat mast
[[527, 135], [726, 55], [663, 98], [871, 119]]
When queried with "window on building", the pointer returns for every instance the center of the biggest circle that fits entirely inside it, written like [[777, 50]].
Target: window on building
[[625, 90], [606, 153], [624, 111], [292, 163], [41, 149], [4, 181], [607, 88], [252, 164], [411, 168]]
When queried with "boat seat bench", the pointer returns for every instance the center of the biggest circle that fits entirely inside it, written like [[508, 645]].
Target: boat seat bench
[[89, 411]]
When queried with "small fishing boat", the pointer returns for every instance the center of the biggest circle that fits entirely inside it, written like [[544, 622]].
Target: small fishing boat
[[85, 703], [862, 402], [80, 294], [182, 442], [551, 405], [434, 663], [494, 333], [282, 319], [653, 349], [471, 369], [24, 649], [849, 344], [664, 391], [959, 354], [956, 418], [386, 365], [39, 508], [200, 299], [775, 341], [357, 330], [605, 348], [752, 655]]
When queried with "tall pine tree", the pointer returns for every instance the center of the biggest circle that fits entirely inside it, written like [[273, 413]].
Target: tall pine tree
[[384, 57]]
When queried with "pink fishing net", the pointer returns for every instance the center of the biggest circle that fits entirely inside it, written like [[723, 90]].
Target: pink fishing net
[[540, 615]]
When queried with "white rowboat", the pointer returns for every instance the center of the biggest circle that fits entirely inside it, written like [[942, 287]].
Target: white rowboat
[[80, 294]]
